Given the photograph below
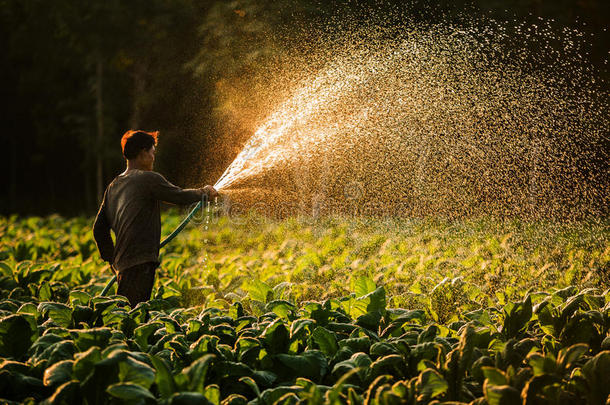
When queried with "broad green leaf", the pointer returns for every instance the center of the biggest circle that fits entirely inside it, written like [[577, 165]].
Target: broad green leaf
[[83, 314], [79, 298], [392, 364], [428, 334], [431, 384], [357, 344], [171, 326], [235, 399], [581, 328], [538, 388], [188, 398], [344, 367], [5, 269], [606, 343], [516, 317], [373, 302], [15, 367], [326, 341], [247, 349], [300, 328], [597, 374], [257, 290], [61, 314], [129, 392], [569, 355], [572, 305], [319, 313], [542, 364], [44, 342], [36, 277], [67, 393], [44, 292], [276, 337], [385, 395], [163, 377], [142, 333], [16, 336], [29, 308], [205, 344], [59, 373], [137, 372], [468, 340], [197, 372], [377, 301], [279, 289], [59, 351], [264, 378], [310, 364], [85, 362], [289, 398], [232, 369], [428, 351], [501, 395], [594, 301], [369, 320], [88, 338], [195, 329], [364, 286], [358, 364], [104, 374], [476, 371], [334, 395], [280, 307], [212, 393], [272, 395], [236, 310], [401, 388], [494, 376], [361, 360], [252, 384], [353, 397], [381, 349]]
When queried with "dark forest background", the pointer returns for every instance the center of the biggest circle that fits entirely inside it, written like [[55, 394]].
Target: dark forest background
[[77, 74]]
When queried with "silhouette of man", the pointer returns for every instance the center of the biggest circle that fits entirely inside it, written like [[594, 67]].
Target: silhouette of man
[[131, 209]]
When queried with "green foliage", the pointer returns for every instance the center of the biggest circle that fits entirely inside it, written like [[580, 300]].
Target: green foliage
[[264, 339], [16, 336]]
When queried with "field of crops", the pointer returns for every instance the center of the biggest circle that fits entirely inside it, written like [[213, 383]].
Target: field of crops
[[339, 310]]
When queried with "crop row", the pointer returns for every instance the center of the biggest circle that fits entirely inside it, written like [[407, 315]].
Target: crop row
[[289, 312], [548, 348]]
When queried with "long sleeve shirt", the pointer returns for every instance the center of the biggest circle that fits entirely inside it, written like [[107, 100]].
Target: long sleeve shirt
[[131, 208]]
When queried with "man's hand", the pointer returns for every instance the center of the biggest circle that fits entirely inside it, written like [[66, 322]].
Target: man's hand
[[210, 192]]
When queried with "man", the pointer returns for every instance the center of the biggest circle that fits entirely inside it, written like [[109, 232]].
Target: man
[[131, 209]]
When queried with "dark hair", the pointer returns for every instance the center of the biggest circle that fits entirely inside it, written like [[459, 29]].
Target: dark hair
[[135, 141]]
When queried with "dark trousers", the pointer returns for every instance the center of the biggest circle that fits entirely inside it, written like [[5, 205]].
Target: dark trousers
[[136, 282]]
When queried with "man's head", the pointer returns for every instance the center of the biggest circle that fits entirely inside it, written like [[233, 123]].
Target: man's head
[[139, 148]]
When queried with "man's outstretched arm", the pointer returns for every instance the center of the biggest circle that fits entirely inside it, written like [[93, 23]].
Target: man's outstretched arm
[[101, 234], [163, 190]]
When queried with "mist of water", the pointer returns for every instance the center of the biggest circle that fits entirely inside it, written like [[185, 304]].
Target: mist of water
[[441, 119]]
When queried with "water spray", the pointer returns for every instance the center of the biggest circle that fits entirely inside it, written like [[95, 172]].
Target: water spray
[[450, 120]]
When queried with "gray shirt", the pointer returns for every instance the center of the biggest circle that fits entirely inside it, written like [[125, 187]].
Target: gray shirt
[[131, 209]]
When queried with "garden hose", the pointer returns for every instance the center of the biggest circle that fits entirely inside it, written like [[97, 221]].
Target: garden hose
[[168, 239]]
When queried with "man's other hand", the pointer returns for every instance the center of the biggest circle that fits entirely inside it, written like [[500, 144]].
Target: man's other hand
[[210, 192]]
